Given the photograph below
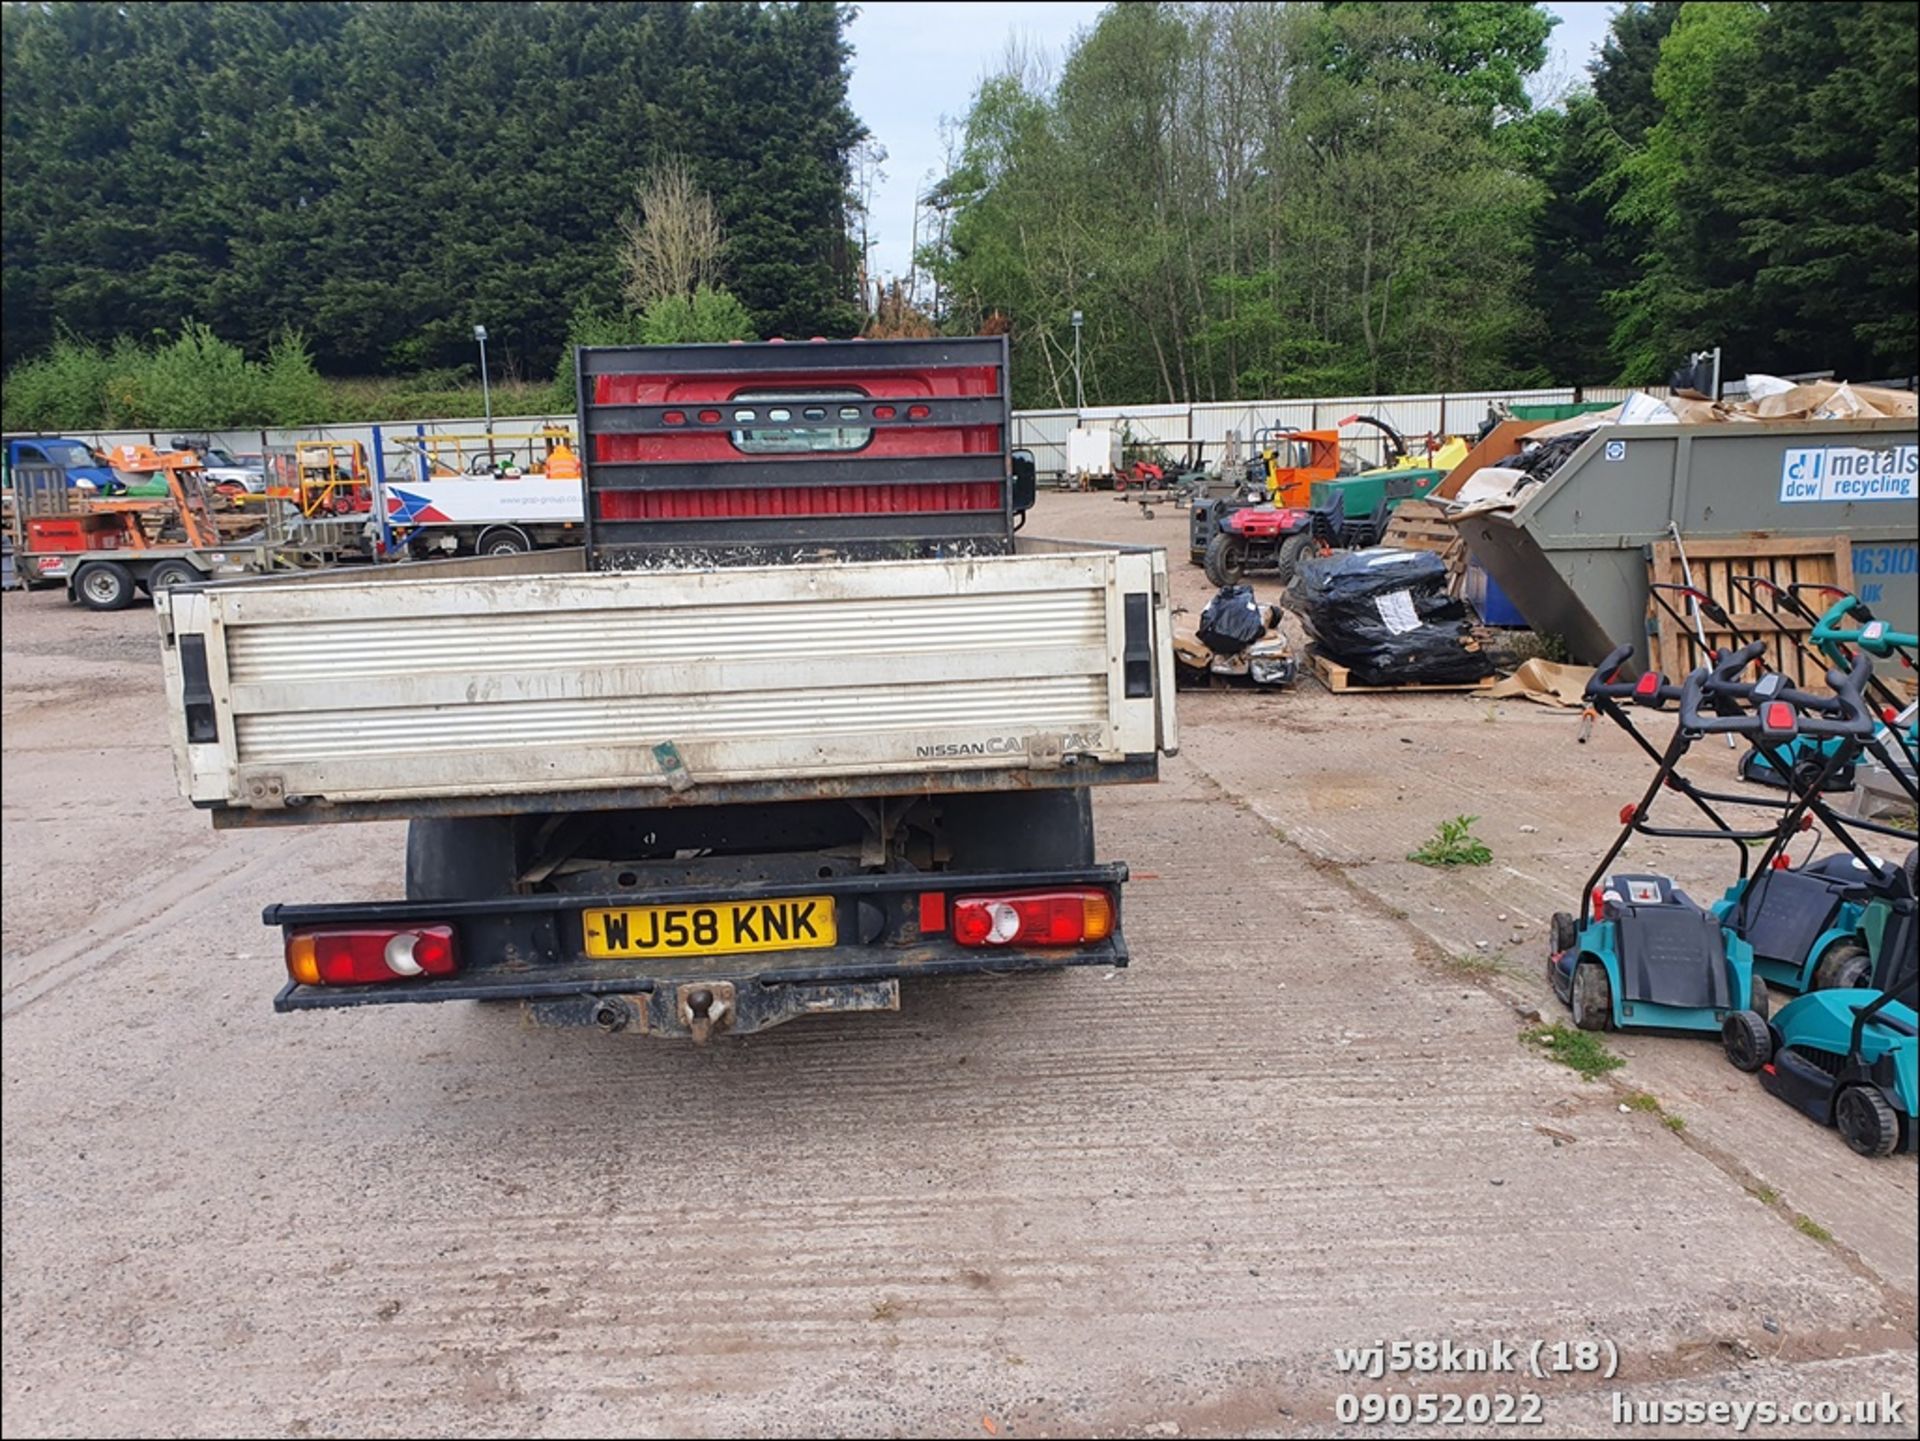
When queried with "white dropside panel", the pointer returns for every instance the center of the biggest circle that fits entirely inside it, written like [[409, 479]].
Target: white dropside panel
[[371, 689]]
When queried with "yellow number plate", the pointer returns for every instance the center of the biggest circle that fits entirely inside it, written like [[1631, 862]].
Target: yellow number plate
[[792, 923]]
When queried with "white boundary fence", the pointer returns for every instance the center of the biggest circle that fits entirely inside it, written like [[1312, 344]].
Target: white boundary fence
[[1179, 427], [1044, 432]]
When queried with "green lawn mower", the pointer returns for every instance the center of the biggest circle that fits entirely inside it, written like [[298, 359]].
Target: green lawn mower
[[1846, 628], [1849, 1059], [1848, 1056], [1642, 954], [1805, 922]]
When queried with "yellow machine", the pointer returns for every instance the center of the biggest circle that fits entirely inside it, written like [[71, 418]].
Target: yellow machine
[[446, 455], [321, 477]]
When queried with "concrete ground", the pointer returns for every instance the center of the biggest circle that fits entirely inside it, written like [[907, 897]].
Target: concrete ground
[[1145, 1202]]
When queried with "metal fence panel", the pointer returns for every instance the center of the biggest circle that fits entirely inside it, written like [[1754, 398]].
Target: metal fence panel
[[1044, 432]]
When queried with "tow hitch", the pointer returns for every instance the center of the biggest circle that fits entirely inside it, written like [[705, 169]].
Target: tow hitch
[[702, 1010]]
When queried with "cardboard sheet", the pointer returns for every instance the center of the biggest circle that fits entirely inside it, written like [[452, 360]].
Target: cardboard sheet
[[1545, 681]]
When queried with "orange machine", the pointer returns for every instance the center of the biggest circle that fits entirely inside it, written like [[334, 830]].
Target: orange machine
[[54, 521], [1294, 459], [185, 479]]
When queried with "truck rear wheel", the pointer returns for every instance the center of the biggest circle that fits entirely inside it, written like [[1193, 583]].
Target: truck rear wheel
[[503, 540], [104, 585]]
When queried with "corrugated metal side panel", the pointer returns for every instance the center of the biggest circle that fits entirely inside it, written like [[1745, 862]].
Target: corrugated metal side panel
[[356, 691], [1613, 394], [1044, 432], [1144, 424], [1212, 422], [505, 428]]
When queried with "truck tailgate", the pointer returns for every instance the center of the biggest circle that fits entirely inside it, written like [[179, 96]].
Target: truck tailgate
[[422, 682]]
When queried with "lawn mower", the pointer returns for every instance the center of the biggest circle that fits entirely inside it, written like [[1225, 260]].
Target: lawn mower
[[1286, 461], [1834, 642], [1643, 954], [1837, 645], [1805, 923], [1849, 1058]]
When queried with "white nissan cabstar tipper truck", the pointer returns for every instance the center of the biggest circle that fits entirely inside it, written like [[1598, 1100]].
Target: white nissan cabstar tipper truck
[[804, 717]]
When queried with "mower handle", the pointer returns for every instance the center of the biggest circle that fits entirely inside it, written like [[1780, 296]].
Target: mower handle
[[1651, 689], [1706, 604], [1807, 713], [1604, 673], [1870, 635]]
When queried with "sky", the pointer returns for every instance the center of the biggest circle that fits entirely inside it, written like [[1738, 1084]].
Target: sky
[[917, 63]]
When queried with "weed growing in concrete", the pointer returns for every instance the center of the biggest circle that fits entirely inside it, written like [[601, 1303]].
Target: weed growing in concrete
[[1765, 1195], [1674, 1123], [1454, 844], [1807, 1226], [1580, 1051], [1641, 1101], [1473, 965]]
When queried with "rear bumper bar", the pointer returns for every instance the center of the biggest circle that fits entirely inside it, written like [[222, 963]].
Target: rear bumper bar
[[532, 949]]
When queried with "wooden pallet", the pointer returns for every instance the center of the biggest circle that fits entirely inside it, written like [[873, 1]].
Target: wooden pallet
[[1417, 525], [1338, 679], [1784, 560]]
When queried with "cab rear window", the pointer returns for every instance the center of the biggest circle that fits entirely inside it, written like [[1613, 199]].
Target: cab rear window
[[795, 425]]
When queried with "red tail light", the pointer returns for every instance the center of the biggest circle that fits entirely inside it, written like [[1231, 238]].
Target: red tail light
[[1074, 916], [363, 955]]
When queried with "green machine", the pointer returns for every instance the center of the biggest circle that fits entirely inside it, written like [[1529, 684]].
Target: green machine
[[1375, 493]]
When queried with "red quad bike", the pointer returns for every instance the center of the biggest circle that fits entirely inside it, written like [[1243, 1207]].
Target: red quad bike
[[1274, 539]]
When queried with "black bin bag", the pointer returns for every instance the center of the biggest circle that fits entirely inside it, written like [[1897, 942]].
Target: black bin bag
[[1386, 616], [1232, 621]]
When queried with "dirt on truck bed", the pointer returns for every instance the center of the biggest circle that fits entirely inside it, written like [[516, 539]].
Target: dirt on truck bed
[[1155, 1201]]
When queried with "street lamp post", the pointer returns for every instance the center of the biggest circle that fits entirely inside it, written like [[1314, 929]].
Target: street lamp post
[[1079, 394], [486, 390]]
